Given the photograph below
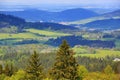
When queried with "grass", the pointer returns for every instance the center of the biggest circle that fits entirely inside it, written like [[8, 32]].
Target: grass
[[47, 33], [31, 34], [98, 53], [18, 35], [88, 20]]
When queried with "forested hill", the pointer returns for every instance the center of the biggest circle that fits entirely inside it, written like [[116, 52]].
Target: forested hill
[[78, 40], [104, 24], [12, 20], [9, 20], [112, 14], [40, 15], [109, 15]]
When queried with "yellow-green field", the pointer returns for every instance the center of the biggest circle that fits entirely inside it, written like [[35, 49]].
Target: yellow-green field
[[89, 52], [31, 34], [88, 20], [47, 33], [18, 35]]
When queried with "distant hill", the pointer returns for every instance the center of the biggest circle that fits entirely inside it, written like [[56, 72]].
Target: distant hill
[[40, 15], [8, 21], [11, 20], [114, 15], [104, 24]]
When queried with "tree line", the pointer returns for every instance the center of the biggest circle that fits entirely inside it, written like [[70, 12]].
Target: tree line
[[65, 67]]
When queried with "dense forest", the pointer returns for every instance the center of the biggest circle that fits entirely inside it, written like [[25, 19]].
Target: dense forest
[[9, 20], [78, 40], [61, 64]]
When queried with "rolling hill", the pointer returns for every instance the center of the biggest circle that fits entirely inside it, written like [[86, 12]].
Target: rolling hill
[[6, 21], [114, 15], [16, 31], [40, 15], [104, 24]]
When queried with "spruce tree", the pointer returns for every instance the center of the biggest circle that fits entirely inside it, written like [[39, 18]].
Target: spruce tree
[[1, 69], [9, 69], [34, 68], [65, 67]]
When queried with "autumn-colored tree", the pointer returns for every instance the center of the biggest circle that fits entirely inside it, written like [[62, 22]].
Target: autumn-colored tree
[[65, 67], [108, 70], [82, 72], [34, 68]]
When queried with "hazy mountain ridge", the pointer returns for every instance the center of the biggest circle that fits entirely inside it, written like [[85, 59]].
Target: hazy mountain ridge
[[9, 20], [41, 15], [110, 15], [104, 24]]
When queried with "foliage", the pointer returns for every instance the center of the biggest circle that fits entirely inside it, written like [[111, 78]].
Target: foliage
[[78, 40], [34, 68], [9, 69], [100, 76], [82, 72], [65, 66], [108, 70]]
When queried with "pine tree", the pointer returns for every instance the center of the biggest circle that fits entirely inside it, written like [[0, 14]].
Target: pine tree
[[65, 67], [1, 69], [9, 70], [34, 68]]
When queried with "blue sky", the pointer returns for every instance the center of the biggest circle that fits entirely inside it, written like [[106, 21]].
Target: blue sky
[[24, 2], [11, 4]]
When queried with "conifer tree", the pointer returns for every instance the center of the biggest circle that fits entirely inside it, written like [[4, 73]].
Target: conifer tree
[[9, 69], [65, 67], [34, 68], [1, 69]]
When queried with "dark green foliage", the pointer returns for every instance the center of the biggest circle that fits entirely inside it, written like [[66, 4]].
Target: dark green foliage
[[116, 67], [95, 64], [78, 40], [34, 68], [1, 69], [9, 70], [65, 66], [106, 24]]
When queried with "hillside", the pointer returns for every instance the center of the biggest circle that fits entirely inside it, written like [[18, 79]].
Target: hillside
[[40, 15], [16, 31], [104, 24], [114, 14], [6, 21]]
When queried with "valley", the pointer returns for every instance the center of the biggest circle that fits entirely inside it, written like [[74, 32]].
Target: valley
[[77, 36]]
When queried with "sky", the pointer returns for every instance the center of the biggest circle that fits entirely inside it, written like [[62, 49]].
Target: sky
[[24, 2], [11, 4]]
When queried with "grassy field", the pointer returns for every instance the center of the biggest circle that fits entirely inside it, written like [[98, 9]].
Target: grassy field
[[47, 33], [87, 20], [31, 34], [18, 35], [91, 52]]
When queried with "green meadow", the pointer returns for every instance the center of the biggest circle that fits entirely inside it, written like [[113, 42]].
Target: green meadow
[[47, 33], [95, 53]]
